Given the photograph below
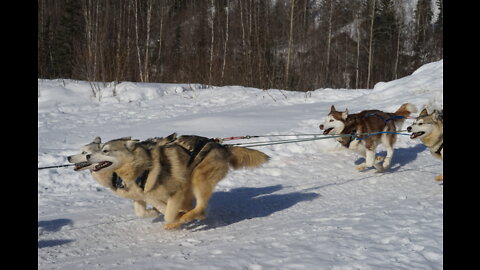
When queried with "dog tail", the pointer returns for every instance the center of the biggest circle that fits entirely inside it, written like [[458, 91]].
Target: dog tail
[[404, 111], [245, 157]]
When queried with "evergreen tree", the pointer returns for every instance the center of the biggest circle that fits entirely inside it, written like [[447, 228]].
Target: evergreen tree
[[64, 41], [423, 27]]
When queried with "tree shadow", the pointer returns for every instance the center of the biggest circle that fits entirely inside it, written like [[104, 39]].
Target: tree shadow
[[53, 226], [228, 207], [401, 156]]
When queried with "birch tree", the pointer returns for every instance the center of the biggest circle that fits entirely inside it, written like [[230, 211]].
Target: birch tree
[[370, 43], [290, 44], [227, 11], [211, 23]]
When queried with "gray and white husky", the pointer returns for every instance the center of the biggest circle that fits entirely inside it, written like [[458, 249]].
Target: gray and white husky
[[107, 178], [429, 129], [361, 126]]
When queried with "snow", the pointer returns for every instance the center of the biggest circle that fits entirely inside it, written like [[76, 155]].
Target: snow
[[307, 208]]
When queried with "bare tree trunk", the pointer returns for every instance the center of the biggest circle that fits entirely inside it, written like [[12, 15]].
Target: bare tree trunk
[[226, 44], [160, 41], [290, 43], [147, 45], [137, 43], [128, 50], [243, 29], [211, 21], [249, 51], [370, 45], [358, 53], [118, 23], [95, 42], [397, 56], [89, 72], [329, 42]]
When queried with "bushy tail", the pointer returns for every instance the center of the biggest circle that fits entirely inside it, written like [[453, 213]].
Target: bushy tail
[[405, 110], [245, 157]]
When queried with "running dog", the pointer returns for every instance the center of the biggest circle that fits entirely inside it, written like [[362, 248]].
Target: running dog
[[176, 172], [429, 129], [110, 179], [368, 129]]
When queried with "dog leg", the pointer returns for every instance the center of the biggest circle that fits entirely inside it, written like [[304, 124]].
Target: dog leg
[[361, 151], [187, 203], [142, 211], [388, 140], [388, 158], [204, 178], [159, 206], [174, 204], [369, 160], [439, 177]]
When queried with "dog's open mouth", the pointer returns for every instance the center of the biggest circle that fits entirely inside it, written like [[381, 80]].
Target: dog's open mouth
[[416, 134], [81, 165], [327, 131], [101, 165]]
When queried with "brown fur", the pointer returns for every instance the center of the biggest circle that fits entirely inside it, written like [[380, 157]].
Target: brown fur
[[180, 172], [363, 124]]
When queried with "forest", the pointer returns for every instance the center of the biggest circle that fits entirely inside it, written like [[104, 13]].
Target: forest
[[298, 45]]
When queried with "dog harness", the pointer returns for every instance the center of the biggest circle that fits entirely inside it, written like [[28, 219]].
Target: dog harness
[[196, 150], [393, 117], [118, 182], [350, 139]]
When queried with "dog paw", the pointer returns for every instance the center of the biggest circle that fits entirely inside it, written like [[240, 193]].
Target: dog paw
[[171, 226], [361, 167]]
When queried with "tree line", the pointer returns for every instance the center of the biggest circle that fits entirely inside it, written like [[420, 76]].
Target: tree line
[[286, 44]]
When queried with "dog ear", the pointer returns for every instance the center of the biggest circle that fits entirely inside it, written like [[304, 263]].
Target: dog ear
[[437, 115], [97, 140], [131, 144], [424, 112], [345, 114], [172, 136], [332, 109]]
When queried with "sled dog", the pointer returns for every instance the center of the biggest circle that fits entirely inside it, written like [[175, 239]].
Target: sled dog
[[367, 121], [175, 173], [429, 129], [109, 179]]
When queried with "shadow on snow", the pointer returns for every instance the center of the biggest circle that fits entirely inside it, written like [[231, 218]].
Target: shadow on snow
[[53, 226], [401, 156], [228, 207]]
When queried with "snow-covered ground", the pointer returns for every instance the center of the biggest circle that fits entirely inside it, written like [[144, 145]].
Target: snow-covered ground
[[308, 208]]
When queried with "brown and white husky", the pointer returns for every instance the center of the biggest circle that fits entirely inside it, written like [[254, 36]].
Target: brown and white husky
[[367, 130]]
